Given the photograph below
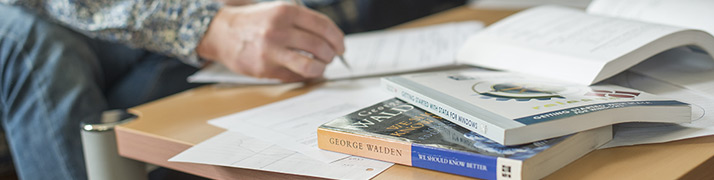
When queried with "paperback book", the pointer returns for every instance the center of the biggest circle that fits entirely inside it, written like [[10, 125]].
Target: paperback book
[[399, 132], [586, 47], [512, 108]]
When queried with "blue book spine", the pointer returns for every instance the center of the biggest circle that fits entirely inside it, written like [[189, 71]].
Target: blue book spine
[[466, 164]]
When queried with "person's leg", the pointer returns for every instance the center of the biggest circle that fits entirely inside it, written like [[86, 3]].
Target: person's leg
[[54, 78], [154, 77], [51, 81]]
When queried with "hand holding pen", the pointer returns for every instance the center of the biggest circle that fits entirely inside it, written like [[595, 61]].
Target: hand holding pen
[[339, 56], [261, 40]]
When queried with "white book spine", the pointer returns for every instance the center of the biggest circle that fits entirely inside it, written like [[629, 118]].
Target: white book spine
[[449, 113], [509, 169]]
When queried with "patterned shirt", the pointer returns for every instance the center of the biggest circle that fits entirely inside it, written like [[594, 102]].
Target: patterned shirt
[[175, 27], [171, 27]]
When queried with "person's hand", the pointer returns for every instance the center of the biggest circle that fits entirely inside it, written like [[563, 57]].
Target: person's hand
[[264, 40]]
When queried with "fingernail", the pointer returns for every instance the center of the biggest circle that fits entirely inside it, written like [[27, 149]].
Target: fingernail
[[315, 69]]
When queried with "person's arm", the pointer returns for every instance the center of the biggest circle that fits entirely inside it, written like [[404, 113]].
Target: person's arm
[[171, 27], [258, 40]]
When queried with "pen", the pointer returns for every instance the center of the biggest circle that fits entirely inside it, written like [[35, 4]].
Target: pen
[[342, 58]]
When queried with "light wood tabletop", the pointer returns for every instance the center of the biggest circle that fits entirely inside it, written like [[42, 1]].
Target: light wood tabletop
[[171, 125]]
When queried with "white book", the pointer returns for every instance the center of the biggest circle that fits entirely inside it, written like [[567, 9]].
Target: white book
[[512, 108], [587, 47]]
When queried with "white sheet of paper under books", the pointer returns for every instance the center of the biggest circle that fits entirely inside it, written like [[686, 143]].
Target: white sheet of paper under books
[[234, 149], [282, 136], [292, 123]]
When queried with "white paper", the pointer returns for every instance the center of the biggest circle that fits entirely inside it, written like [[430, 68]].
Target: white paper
[[221, 74], [644, 133], [292, 123], [695, 14], [379, 52], [233, 149]]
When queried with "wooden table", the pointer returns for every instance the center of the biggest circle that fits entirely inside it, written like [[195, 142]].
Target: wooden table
[[171, 125]]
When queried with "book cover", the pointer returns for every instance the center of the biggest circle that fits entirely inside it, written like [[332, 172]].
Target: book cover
[[396, 131], [512, 108]]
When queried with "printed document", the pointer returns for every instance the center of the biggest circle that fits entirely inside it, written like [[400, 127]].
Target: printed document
[[292, 123], [233, 149]]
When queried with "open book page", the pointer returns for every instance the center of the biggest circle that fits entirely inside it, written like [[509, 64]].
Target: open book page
[[379, 52], [560, 43], [695, 14]]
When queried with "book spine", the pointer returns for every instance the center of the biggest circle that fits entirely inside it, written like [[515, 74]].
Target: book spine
[[439, 159], [365, 146], [458, 117]]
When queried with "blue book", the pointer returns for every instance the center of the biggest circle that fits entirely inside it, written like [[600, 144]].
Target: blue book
[[399, 132]]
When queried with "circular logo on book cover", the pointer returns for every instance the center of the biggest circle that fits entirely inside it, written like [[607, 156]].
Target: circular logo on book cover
[[521, 91]]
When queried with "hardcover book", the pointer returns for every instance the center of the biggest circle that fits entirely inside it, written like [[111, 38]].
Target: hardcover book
[[512, 108], [398, 132]]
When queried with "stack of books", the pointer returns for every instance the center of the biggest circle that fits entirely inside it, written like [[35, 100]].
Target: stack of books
[[539, 113], [491, 125]]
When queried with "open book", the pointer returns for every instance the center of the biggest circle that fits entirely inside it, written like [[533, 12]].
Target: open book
[[587, 47]]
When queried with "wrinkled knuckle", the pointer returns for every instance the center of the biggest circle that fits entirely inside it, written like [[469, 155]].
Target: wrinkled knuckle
[[322, 26], [284, 9], [313, 43]]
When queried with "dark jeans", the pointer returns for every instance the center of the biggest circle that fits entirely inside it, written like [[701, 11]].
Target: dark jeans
[[52, 78]]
